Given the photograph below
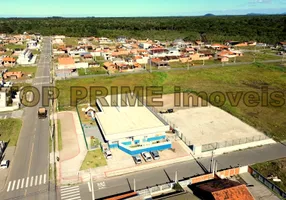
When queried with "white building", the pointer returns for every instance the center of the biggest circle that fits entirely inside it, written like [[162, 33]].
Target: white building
[[33, 44], [133, 129], [26, 57]]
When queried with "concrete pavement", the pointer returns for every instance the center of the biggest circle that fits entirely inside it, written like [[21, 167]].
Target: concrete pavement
[[185, 170], [29, 170]]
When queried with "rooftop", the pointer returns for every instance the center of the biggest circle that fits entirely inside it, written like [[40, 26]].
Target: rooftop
[[66, 61], [127, 121]]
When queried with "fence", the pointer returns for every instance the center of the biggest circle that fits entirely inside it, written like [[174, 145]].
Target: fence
[[81, 125], [218, 145], [267, 183]]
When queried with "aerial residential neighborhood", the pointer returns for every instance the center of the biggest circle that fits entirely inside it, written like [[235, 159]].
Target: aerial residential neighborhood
[[131, 106]]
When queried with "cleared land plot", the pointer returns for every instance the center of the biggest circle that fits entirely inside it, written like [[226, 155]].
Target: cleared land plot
[[91, 71], [10, 130], [243, 78], [24, 70]]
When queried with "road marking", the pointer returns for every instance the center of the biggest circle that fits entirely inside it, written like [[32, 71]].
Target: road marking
[[13, 185], [44, 178], [101, 185], [70, 193], [1, 117], [27, 182], [40, 180], [89, 186], [5, 116], [31, 183], [36, 180], [18, 184], [9, 186], [22, 184], [64, 190]]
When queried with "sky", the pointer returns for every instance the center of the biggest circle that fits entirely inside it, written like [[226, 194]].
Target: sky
[[135, 8]]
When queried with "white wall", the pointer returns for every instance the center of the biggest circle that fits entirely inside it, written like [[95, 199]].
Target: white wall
[[81, 65]]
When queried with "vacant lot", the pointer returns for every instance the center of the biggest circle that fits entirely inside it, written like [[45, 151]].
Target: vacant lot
[[25, 70], [90, 71], [240, 79], [275, 168], [10, 130], [93, 159]]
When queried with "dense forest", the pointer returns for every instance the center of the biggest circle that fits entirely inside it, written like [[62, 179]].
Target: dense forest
[[269, 28]]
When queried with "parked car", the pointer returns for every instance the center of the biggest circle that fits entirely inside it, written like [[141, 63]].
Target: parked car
[[137, 159], [108, 154], [147, 157], [167, 111], [4, 164], [155, 155]]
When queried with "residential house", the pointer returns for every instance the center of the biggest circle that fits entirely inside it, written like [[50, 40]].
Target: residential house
[[157, 62], [221, 189], [242, 44], [104, 40], [2, 50], [219, 47], [199, 56], [251, 43], [144, 45], [121, 39], [66, 63], [158, 52], [223, 58], [26, 57], [33, 44], [87, 57], [9, 61], [12, 75], [179, 43], [77, 52]]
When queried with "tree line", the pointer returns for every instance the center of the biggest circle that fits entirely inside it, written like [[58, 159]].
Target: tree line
[[265, 28]]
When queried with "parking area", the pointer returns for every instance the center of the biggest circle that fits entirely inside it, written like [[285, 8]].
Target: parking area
[[121, 160]]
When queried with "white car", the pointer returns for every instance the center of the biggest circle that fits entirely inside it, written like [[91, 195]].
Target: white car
[[4, 164], [108, 154], [147, 156]]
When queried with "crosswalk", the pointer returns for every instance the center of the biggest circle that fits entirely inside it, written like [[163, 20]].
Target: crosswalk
[[43, 83], [3, 117], [70, 193], [24, 183]]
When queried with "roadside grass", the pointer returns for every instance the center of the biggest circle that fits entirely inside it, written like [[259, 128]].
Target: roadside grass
[[241, 78], [91, 71], [275, 168], [10, 130], [93, 159], [60, 141]]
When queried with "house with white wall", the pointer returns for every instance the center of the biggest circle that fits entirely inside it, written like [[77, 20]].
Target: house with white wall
[[26, 57]]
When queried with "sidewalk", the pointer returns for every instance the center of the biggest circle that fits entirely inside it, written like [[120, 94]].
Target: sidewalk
[[259, 191], [74, 148]]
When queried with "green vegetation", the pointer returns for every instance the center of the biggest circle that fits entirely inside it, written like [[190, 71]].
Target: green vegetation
[[93, 159], [26, 70], [244, 78], [91, 71], [94, 142], [10, 130], [71, 41], [275, 168], [60, 141], [268, 29], [15, 46]]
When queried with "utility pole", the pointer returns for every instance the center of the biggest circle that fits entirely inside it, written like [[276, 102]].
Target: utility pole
[[212, 158], [150, 66], [176, 177], [91, 182]]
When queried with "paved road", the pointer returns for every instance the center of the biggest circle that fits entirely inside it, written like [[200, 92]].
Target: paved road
[[29, 171], [166, 174]]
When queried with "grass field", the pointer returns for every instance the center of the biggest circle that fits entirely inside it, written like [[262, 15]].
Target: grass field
[[93, 159], [60, 141], [25, 70], [275, 168], [242, 78], [71, 41], [15, 46], [10, 130], [91, 71]]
